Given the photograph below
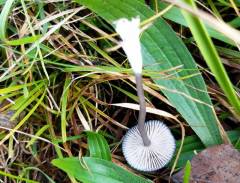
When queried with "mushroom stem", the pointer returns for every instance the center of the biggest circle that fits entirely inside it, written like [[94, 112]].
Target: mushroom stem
[[142, 111]]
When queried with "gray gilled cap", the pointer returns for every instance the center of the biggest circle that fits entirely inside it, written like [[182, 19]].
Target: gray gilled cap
[[156, 155]]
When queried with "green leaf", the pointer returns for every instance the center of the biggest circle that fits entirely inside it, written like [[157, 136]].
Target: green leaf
[[96, 170], [24, 40], [163, 50], [187, 172], [98, 146]]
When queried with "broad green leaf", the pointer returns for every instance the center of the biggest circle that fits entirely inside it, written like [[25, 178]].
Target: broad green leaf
[[163, 50], [96, 170], [98, 146]]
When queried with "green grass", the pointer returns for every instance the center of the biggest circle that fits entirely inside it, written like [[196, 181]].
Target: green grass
[[212, 58], [67, 92], [187, 173]]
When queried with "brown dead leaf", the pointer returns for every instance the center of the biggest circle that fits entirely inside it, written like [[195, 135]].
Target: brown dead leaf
[[218, 164]]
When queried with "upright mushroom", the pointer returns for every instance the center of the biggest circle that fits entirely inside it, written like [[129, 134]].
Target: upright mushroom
[[147, 146]]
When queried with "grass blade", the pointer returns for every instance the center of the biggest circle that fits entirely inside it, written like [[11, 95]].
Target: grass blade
[[14, 88], [187, 173], [4, 18], [24, 40], [211, 56], [38, 134], [175, 15], [24, 119], [17, 177], [64, 109]]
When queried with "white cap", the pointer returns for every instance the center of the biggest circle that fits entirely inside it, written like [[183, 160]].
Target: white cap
[[129, 31]]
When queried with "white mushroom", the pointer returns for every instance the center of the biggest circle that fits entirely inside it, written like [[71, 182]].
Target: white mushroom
[[156, 155], [147, 146]]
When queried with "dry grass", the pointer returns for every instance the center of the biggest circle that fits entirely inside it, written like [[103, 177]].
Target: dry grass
[[71, 80]]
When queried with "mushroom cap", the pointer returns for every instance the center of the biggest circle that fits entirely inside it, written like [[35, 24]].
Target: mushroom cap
[[156, 155]]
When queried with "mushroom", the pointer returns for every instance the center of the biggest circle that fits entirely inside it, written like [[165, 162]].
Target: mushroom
[[147, 146]]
